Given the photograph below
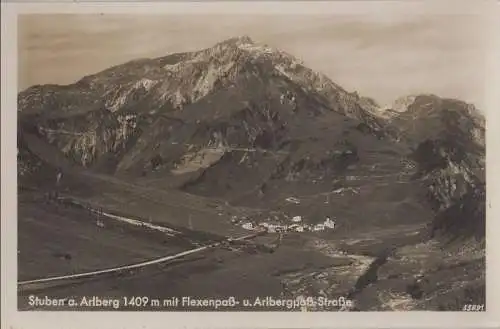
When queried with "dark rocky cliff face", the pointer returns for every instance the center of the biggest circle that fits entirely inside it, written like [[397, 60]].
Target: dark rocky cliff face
[[89, 139], [448, 141]]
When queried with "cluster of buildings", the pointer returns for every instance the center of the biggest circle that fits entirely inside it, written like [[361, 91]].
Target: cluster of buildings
[[296, 225]]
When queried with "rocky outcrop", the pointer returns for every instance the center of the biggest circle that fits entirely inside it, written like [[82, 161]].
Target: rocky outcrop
[[449, 149], [88, 137]]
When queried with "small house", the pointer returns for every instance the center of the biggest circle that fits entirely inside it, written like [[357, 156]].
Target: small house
[[319, 227], [329, 223], [296, 228], [247, 226]]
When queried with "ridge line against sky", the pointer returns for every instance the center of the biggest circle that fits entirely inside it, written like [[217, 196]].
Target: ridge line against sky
[[378, 57]]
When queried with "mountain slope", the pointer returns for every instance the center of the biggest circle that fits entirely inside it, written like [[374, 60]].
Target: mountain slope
[[242, 128], [251, 124], [447, 142], [101, 113]]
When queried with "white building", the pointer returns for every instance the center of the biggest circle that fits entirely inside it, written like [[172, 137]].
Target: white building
[[297, 219], [319, 227], [282, 99], [296, 228], [247, 226], [281, 228], [329, 223]]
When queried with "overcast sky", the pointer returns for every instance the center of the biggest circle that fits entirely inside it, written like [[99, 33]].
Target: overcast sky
[[378, 56]]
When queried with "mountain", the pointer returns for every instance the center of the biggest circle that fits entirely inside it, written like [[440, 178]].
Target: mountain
[[252, 126], [243, 109], [447, 139], [165, 84]]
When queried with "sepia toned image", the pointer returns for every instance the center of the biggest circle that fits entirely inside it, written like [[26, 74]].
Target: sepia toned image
[[297, 163]]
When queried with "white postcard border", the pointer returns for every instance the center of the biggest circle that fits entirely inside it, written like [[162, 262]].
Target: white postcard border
[[11, 318]]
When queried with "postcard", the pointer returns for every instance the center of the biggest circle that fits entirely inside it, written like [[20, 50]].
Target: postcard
[[249, 164]]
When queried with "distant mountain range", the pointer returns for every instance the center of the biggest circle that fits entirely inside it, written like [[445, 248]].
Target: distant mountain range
[[251, 124]]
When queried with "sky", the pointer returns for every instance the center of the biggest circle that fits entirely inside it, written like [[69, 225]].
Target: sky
[[383, 57]]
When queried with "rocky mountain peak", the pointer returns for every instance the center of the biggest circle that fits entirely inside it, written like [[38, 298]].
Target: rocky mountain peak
[[238, 40], [401, 104], [245, 49]]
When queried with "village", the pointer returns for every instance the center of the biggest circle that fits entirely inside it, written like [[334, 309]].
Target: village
[[296, 224]]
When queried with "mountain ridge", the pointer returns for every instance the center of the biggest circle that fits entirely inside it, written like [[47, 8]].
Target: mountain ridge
[[154, 116]]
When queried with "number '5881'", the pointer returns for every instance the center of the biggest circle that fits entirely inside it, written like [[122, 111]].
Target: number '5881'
[[473, 307]]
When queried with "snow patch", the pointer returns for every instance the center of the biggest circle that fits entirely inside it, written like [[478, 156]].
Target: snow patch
[[145, 83], [401, 104], [121, 96]]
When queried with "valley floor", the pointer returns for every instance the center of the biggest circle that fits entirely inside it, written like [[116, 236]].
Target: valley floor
[[392, 268]]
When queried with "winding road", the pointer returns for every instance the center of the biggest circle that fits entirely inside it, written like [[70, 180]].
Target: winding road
[[35, 284]]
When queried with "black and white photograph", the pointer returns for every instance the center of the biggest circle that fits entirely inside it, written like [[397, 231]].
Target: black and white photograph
[[327, 162]]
